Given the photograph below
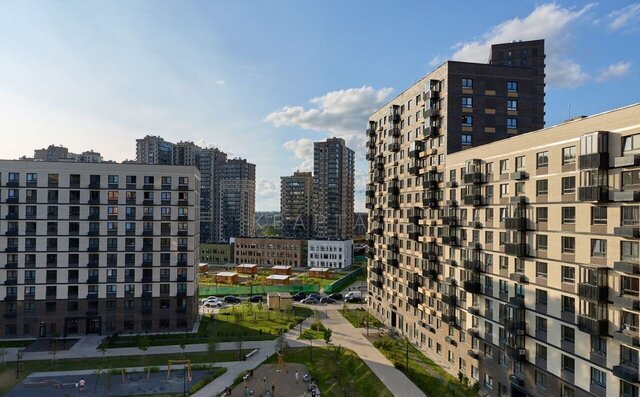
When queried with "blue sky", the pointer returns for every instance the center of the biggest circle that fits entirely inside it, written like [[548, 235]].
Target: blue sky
[[263, 79]]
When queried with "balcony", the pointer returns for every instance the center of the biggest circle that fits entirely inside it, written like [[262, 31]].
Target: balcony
[[592, 161], [451, 241], [629, 374], [625, 196], [431, 131], [377, 231], [593, 326], [377, 283], [371, 191], [473, 287], [450, 220], [474, 265], [593, 293], [11, 281], [431, 113], [414, 301], [371, 143], [415, 219], [516, 302], [516, 353], [627, 267], [393, 262], [517, 249], [593, 193], [394, 147], [414, 169], [450, 298], [518, 277], [393, 187], [377, 270], [474, 178], [11, 232], [517, 223], [11, 265], [10, 315], [627, 231], [415, 235], [432, 94], [393, 202], [631, 302], [430, 202], [474, 199], [519, 176], [474, 310]]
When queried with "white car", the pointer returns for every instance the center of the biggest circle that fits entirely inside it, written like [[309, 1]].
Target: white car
[[210, 301], [203, 300], [213, 303]]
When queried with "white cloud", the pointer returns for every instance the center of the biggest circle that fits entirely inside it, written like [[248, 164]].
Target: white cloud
[[265, 187], [627, 17], [302, 149], [613, 71], [219, 82], [436, 61], [342, 113], [547, 21]]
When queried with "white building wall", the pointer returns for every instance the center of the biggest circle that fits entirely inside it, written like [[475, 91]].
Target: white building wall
[[331, 254]]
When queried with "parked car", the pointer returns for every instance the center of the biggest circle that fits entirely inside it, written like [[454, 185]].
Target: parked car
[[337, 297], [212, 303], [203, 300], [316, 296], [298, 296], [256, 299], [231, 299], [310, 301], [327, 300], [353, 299]]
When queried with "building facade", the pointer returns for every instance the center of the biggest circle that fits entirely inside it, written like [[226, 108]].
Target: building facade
[[296, 193], [498, 288], [97, 248], [270, 251], [216, 253], [333, 190], [237, 199], [154, 150], [330, 254], [456, 107]]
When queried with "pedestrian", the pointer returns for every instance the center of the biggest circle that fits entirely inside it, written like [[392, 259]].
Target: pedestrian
[[297, 376], [246, 391], [273, 390], [81, 383]]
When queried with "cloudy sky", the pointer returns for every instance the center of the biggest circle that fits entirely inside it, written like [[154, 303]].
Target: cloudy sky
[[264, 79]]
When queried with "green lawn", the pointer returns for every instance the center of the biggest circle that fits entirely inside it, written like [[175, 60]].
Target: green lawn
[[337, 371], [8, 375], [316, 331], [16, 343], [240, 321], [358, 316], [426, 374], [321, 282]]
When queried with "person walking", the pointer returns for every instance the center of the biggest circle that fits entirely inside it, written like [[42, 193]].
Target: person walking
[[297, 377], [81, 384], [273, 390]]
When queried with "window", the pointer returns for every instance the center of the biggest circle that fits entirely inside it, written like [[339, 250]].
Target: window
[[599, 345], [542, 187], [568, 245], [599, 248], [541, 269], [568, 215], [504, 190], [541, 380], [541, 324], [569, 185], [467, 83], [512, 122], [466, 139], [542, 214], [512, 86], [630, 216], [488, 381], [541, 297], [568, 274], [467, 102], [541, 242], [629, 251], [504, 166], [568, 305], [467, 121], [512, 104], [569, 155], [630, 144], [521, 163], [542, 159], [568, 364], [630, 180], [598, 377], [598, 215]]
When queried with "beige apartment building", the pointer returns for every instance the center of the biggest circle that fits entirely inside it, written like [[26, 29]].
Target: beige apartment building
[[270, 251], [524, 275]]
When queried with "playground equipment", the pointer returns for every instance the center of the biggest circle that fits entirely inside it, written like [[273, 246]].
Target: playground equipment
[[281, 364], [178, 362]]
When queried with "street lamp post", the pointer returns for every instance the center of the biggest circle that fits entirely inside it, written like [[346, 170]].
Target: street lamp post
[[18, 357]]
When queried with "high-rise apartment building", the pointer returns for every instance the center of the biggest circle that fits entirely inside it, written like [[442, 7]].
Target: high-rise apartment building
[[97, 248], [237, 199], [61, 153], [456, 107], [333, 190], [296, 193], [210, 162], [154, 150]]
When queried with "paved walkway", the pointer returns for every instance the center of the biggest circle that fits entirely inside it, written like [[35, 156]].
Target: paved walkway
[[349, 337]]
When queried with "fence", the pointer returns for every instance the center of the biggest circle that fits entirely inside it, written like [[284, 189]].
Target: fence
[[206, 290], [344, 281]]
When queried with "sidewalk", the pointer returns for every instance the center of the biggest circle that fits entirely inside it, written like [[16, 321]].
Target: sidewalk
[[349, 337]]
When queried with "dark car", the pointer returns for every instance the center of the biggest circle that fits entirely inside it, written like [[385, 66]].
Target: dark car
[[354, 299], [299, 296], [310, 301], [327, 300], [231, 299], [315, 296], [255, 299], [337, 297]]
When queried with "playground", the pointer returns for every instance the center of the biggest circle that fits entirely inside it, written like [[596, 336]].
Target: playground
[[114, 383], [283, 378]]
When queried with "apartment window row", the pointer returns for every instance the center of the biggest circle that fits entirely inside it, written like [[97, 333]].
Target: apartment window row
[[512, 86], [75, 179]]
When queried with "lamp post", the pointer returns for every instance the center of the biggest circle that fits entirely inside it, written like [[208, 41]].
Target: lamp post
[[18, 357]]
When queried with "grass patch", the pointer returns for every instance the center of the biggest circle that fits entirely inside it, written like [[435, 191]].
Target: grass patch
[[8, 375], [245, 321], [217, 371], [358, 317], [422, 371], [336, 372], [316, 331], [15, 343]]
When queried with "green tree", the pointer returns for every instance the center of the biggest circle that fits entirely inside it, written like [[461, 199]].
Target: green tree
[[326, 334], [143, 344]]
